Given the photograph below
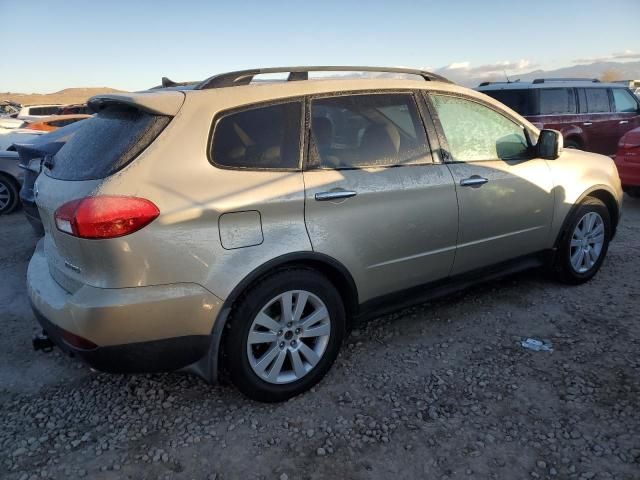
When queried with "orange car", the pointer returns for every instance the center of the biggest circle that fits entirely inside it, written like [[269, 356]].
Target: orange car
[[54, 122]]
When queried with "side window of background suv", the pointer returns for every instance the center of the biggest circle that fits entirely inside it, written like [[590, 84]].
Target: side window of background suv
[[597, 100], [475, 132], [554, 101], [260, 137], [355, 131], [624, 101]]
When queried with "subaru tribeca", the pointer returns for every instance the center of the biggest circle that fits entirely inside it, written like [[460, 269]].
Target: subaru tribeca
[[242, 226]]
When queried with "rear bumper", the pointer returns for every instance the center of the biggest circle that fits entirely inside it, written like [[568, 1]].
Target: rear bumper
[[140, 329]]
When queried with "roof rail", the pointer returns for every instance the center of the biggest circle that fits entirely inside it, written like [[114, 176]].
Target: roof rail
[[543, 80], [484, 84], [244, 77]]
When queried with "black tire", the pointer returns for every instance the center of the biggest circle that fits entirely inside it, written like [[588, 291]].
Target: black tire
[[9, 187], [572, 144], [235, 356], [633, 192], [562, 265]]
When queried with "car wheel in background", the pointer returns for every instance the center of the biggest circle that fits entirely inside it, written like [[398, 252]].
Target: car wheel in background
[[633, 192], [572, 144], [284, 334], [584, 243], [9, 199]]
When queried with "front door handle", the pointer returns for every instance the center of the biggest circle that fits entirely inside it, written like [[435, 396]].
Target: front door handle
[[474, 181], [623, 122], [334, 195], [587, 124]]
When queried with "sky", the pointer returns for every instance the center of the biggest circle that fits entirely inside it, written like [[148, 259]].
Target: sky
[[48, 45]]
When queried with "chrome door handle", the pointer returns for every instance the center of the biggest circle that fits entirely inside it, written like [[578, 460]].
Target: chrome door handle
[[586, 124], [623, 122], [334, 195], [473, 181]]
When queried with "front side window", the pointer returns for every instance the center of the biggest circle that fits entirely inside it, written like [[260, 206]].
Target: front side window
[[624, 101], [373, 130], [597, 100], [264, 137], [475, 132], [556, 101]]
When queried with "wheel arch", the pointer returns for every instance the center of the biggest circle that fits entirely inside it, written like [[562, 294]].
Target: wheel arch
[[334, 270], [601, 192]]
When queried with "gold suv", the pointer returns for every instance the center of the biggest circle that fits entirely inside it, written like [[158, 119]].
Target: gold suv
[[242, 225]]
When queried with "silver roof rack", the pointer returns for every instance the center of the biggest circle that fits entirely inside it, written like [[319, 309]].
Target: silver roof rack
[[543, 80], [244, 77]]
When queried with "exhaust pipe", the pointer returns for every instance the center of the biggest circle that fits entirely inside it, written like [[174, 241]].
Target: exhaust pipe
[[42, 342]]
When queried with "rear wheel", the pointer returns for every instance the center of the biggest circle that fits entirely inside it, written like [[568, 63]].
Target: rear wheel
[[9, 198], [584, 244], [285, 334]]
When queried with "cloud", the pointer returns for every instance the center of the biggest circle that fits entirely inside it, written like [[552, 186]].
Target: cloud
[[510, 67], [626, 55]]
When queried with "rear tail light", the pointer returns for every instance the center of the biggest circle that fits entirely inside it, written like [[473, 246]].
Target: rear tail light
[[105, 216]]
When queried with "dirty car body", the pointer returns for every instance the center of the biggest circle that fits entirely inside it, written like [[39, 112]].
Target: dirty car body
[[284, 210]]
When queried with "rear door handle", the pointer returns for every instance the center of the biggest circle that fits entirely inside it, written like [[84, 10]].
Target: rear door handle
[[624, 122], [474, 181], [334, 195], [586, 124]]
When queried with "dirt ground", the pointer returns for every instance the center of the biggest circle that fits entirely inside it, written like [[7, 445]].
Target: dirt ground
[[442, 390]]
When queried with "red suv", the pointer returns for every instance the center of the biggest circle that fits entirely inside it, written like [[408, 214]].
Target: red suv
[[591, 115]]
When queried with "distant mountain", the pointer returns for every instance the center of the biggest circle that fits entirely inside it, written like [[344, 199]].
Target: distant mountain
[[599, 70], [66, 96]]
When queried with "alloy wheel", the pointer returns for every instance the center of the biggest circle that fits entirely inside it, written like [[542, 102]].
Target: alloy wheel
[[587, 242], [288, 337]]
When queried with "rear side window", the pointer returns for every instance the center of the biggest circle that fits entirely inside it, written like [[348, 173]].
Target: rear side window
[[43, 110], [106, 143], [557, 101], [518, 100], [358, 131], [624, 101], [259, 138], [597, 100]]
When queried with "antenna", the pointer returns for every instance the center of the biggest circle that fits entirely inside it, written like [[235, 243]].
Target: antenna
[[506, 76]]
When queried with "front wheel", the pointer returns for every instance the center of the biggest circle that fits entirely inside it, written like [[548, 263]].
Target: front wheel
[[584, 244], [285, 333], [633, 192]]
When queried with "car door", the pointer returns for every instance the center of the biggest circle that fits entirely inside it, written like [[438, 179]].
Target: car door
[[627, 109], [375, 199], [505, 195], [600, 121]]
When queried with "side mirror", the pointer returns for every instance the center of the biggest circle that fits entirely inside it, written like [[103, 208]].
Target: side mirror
[[550, 144]]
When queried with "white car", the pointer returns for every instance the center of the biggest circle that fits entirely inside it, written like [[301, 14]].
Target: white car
[[34, 112], [8, 124]]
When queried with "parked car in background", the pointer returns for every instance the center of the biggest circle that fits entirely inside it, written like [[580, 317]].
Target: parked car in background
[[591, 115], [8, 124], [32, 153], [628, 162], [49, 124], [231, 244], [35, 112], [9, 109], [11, 177]]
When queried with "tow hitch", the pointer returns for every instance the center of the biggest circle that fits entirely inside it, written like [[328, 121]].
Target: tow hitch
[[42, 342]]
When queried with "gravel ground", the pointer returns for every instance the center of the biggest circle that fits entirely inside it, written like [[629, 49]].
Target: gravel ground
[[443, 390]]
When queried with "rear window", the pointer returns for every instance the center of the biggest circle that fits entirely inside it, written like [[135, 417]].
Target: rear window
[[597, 100], [518, 100], [557, 101], [43, 110], [106, 143], [264, 137]]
